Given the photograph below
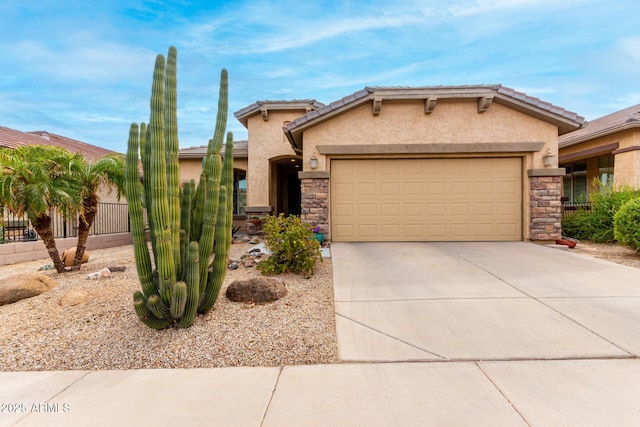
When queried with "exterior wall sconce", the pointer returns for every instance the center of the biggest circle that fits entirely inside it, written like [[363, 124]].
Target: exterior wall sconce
[[313, 162], [549, 159]]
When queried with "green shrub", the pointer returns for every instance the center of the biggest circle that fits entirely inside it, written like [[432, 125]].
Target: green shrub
[[578, 225], [292, 246], [627, 224], [596, 225]]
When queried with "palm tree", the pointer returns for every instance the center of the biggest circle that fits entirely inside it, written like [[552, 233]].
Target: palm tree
[[34, 181], [107, 171]]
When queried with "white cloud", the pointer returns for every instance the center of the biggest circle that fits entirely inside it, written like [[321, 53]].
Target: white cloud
[[476, 7], [629, 47]]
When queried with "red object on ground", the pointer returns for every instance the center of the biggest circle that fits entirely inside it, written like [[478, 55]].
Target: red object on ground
[[566, 242]]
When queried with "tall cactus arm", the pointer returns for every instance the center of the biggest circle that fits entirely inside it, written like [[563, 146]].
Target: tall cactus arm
[[198, 208], [132, 189], [215, 144], [209, 219], [221, 256], [227, 175], [171, 141], [160, 206], [193, 283]]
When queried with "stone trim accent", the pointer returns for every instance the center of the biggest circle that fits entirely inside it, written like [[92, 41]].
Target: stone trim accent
[[545, 207], [315, 203], [547, 172], [313, 174]]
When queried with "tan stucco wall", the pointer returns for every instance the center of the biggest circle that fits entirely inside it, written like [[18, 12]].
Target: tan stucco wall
[[266, 141], [107, 195], [191, 168], [626, 165], [457, 121]]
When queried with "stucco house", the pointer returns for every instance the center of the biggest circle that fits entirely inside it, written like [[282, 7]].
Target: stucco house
[[606, 149], [428, 163], [439, 163]]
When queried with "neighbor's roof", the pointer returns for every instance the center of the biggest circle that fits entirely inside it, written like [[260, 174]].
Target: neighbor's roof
[[566, 121], [12, 138], [611, 123], [263, 108], [240, 150]]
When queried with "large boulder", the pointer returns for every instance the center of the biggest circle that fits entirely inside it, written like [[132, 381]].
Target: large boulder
[[256, 290], [69, 255], [21, 286]]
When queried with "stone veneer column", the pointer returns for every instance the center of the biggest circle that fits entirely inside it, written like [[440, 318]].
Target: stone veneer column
[[545, 204], [315, 200]]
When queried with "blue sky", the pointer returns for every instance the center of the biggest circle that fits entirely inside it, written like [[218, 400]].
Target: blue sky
[[82, 68]]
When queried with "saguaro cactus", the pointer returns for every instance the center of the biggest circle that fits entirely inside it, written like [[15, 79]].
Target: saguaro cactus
[[186, 227]]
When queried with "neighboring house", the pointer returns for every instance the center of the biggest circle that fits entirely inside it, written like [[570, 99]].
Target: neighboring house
[[443, 163], [12, 138], [191, 158], [605, 150]]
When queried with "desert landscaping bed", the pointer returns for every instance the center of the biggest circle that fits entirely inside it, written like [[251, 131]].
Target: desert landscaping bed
[[614, 253], [104, 332]]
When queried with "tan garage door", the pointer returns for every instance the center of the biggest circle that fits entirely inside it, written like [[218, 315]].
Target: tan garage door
[[426, 199]]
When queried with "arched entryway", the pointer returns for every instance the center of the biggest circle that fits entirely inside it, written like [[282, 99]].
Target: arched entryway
[[285, 194]]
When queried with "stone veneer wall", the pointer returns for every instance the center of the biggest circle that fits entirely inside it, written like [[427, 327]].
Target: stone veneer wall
[[546, 207], [315, 203]]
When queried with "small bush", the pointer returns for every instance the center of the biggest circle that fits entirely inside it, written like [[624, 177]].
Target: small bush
[[292, 245], [578, 225], [596, 225], [627, 224]]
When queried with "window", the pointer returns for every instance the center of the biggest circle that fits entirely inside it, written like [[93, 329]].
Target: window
[[605, 170], [575, 182], [239, 192]]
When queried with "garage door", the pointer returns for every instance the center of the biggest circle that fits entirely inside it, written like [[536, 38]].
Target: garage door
[[426, 199]]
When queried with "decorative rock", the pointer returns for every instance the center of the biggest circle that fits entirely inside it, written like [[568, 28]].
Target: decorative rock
[[21, 286], [254, 240], [99, 275], [233, 265], [248, 263], [74, 298], [117, 268], [68, 256], [256, 290]]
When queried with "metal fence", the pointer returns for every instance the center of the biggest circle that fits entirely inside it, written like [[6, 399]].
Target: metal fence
[[111, 218], [571, 207]]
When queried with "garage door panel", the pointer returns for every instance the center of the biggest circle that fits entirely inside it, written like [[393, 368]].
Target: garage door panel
[[389, 188], [426, 199]]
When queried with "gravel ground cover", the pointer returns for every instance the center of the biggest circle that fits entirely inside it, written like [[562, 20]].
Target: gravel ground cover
[[104, 332], [614, 253]]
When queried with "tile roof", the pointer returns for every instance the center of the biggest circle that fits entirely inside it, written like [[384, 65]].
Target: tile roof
[[606, 125], [240, 150], [405, 92], [14, 138], [297, 104]]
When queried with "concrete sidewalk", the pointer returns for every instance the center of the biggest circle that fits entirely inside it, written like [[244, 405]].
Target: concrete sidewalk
[[535, 393], [431, 334]]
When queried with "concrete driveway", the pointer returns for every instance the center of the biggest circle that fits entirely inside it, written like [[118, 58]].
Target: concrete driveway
[[482, 302]]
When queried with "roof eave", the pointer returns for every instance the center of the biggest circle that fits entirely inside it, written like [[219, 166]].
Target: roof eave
[[564, 124], [599, 134], [262, 107]]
